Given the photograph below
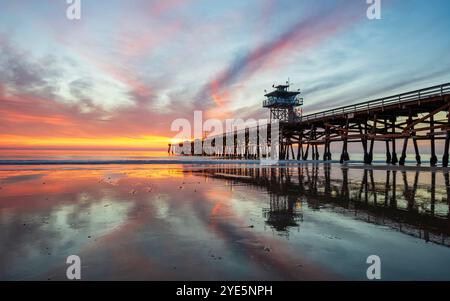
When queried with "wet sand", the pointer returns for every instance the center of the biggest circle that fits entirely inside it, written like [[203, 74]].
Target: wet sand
[[220, 222]]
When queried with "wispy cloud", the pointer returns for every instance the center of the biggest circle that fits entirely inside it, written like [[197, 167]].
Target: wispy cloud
[[300, 36]]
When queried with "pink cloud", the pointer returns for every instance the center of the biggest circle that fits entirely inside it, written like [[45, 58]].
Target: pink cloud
[[303, 35]]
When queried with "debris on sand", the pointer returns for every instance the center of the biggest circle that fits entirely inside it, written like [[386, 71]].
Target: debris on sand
[[216, 258], [333, 237], [247, 227], [267, 248]]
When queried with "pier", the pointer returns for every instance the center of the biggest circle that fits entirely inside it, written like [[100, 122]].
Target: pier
[[420, 115]]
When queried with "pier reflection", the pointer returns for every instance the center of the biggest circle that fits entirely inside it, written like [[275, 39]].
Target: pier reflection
[[394, 199]]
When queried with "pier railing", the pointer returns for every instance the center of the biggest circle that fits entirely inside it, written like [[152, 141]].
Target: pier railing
[[381, 102]]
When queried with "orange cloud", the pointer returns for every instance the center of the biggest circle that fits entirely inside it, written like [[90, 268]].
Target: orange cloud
[[29, 121], [16, 117]]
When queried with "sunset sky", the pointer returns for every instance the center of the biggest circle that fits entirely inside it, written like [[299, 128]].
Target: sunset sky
[[118, 77]]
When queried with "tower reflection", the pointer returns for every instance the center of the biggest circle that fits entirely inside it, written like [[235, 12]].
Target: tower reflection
[[284, 213], [395, 199]]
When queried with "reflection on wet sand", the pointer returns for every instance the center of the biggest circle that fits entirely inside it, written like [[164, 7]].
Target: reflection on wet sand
[[135, 223], [417, 210], [221, 222]]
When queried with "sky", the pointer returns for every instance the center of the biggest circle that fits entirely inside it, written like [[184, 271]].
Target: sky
[[119, 76]]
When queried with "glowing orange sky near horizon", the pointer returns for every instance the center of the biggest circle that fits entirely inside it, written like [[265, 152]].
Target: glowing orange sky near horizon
[[150, 142]]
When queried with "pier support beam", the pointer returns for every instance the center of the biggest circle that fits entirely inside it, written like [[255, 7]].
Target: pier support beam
[[405, 144], [235, 145], [258, 150], [300, 149], [224, 144], [344, 155], [306, 154], [433, 159], [327, 151], [372, 141], [388, 152], [330, 156], [416, 149], [281, 150], [311, 137], [317, 156], [363, 133], [246, 142], [394, 159], [447, 143], [403, 156], [292, 152]]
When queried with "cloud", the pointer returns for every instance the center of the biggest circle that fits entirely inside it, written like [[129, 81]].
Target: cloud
[[300, 36], [36, 110], [356, 88], [20, 73]]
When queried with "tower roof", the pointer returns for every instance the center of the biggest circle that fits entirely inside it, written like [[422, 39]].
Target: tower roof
[[282, 93]]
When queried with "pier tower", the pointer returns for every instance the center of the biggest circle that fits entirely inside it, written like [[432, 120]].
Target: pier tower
[[283, 103]]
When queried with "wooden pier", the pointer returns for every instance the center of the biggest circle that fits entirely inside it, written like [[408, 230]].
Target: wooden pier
[[421, 115]]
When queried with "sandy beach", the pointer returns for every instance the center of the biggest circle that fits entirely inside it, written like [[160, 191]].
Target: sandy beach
[[215, 222]]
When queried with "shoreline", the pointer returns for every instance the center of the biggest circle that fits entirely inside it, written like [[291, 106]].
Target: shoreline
[[378, 165]]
